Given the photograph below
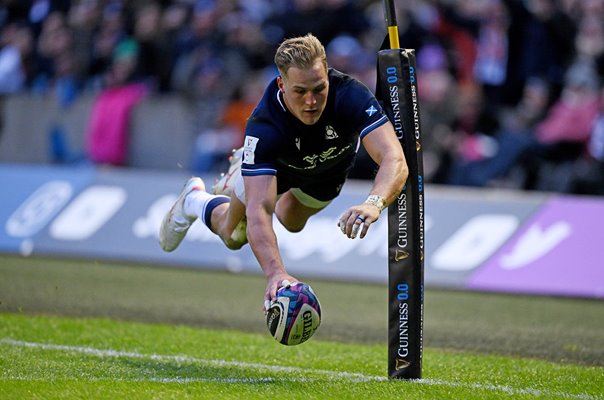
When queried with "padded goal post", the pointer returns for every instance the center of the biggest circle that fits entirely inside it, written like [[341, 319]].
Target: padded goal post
[[397, 90]]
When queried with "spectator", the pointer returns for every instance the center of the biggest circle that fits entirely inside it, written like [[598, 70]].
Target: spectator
[[210, 97], [490, 68], [83, 20], [16, 45], [207, 49], [512, 141], [55, 69], [15, 57], [155, 57], [546, 141], [108, 127], [326, 19], [471, 140], [243, 102], [437, 90], [112, 30], [589, 43], [175, 25], [563, 135], [541, 41], [588, 175], [243, 36]]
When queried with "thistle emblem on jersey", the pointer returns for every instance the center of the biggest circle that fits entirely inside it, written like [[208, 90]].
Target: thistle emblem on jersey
[[330, 133]]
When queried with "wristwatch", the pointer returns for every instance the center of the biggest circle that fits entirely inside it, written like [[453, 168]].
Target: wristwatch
[[377, 201]]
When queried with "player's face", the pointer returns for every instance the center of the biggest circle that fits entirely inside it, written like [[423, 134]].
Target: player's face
[[305, 91]]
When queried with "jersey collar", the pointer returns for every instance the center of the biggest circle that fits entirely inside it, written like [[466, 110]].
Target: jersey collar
[[280, 100]]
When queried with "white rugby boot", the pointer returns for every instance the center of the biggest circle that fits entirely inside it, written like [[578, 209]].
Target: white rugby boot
[[226, 183], [176, 223]]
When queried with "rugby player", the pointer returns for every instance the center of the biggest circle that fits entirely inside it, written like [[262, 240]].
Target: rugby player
[[299, 147]]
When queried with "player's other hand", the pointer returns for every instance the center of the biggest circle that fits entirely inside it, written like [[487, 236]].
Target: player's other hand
[[358, 218], [273, 284]]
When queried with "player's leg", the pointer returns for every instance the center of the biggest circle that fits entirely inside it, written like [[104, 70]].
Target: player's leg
[[226, 183], [222, 210], [223, 215], [181, 215], [229, 223], [295, 207], [303, 198]]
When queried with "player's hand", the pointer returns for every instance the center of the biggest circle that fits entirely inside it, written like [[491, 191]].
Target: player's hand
[[362, 215], [273, 284]]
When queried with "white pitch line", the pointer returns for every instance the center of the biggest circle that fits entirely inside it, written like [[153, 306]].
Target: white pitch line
[[352, 376], [182, 381], [187, 359]]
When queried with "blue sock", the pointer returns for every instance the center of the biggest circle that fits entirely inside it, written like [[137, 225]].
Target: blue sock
[[210, 206]]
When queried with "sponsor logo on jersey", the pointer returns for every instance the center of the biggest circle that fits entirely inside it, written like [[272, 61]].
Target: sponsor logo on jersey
[[315, 159], [249, 146]]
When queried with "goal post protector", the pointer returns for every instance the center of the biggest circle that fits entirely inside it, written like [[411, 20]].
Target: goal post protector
[[397, 89]]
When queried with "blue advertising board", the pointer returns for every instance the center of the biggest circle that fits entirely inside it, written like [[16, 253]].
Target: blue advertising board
[[115, 214]]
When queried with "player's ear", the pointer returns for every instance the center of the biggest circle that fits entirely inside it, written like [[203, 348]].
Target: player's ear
[[280, 83]]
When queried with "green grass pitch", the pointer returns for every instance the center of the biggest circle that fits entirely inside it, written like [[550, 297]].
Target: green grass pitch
[[74, 329]]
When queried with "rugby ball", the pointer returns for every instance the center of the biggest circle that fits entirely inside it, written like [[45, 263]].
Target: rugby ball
[[295, 316]]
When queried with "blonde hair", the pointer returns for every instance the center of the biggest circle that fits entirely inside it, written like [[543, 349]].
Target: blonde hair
[[300, 52]]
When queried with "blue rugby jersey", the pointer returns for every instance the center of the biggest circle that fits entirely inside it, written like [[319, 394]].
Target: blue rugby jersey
[[277, 143]]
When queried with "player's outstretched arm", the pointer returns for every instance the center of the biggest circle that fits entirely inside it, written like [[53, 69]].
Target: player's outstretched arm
[[261, 197], [384, 148]]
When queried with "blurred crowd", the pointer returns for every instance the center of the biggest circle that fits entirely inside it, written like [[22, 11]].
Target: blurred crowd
[[511, 90]]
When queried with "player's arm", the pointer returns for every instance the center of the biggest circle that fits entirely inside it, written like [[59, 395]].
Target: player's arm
[[384, 148], [261, 198]]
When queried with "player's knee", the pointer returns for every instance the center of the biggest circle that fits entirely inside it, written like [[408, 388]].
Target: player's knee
[[294, 227], [233, 244]]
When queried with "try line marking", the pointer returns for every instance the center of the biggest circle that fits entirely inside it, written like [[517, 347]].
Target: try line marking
[[352, 376]]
